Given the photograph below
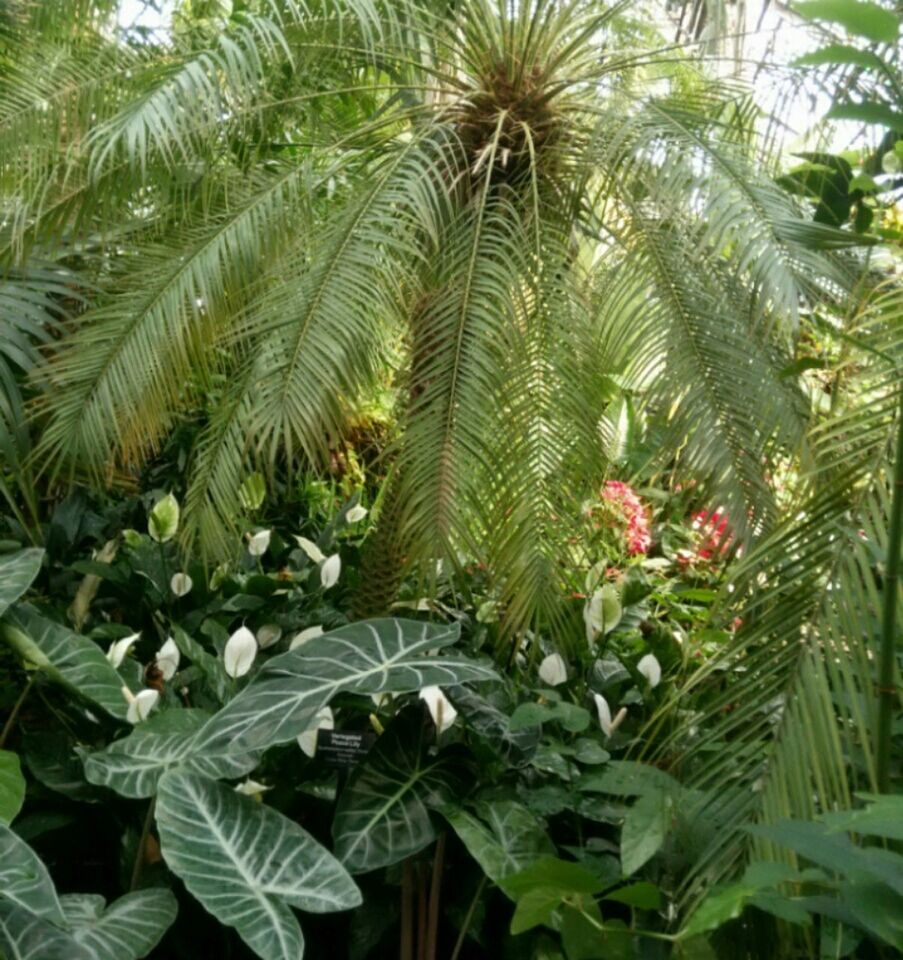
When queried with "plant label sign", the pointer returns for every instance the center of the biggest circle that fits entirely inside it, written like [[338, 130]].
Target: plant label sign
[[344, 748]]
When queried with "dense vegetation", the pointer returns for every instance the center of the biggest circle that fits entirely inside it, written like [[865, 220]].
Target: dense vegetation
[[451, 457]]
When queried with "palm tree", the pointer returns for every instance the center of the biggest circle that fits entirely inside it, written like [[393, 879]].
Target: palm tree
[[511, 206]]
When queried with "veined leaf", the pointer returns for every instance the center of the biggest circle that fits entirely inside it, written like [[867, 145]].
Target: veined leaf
[[66, 657], [501, 835], [127, 929], [645, 828], [247, 864], [374, 656], [133, 765], [24, 936], [12, 786], [24, 880], [17, 571], [383, 815]]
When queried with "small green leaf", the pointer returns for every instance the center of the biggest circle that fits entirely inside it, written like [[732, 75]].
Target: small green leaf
[[645, 828], [642, 895], [549, 873], [17, 572], [858, 17], [534, 908], [12, 786], [721, 905]]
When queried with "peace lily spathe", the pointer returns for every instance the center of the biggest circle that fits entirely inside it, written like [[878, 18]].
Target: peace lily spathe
[[602, 612], [251, 788], [441, 710], [603, 710], [311, 549], [268, 634], [553, 670], [163, 520], [330, 571], [651, 669], [310, 633], [120, 648], [356, 514], [181, 584], [167, 659], [241, 649], [259, 543], [323, 720], [140, 705]]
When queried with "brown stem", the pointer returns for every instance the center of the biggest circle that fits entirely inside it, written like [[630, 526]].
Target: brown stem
[[421, 914], [432, 928], [17, 706], [142, 846], [407, 911], [468, 919]]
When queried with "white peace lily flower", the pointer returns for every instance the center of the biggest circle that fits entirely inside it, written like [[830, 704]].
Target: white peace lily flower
[[381, 699], [603, 612], [553, 670], [311, 549], [120, 648], [241, 649], [330, 571], [259, 543], [604, 712], [323, 720], [167, 659], [268, 634], [356, 514], [140, 705], [181, 584], [299, 639], [163, 520], [251, 788], [441, 710], [651, 669]]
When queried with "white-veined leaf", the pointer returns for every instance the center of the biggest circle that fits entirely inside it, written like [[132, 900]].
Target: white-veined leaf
[[17, 571], [247, 864], [127, 929], [373, 656], [12, 786], [133, 765], [24, 936], [24, 880]]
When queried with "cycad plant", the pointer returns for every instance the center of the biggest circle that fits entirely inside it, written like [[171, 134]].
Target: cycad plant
[[518, 210]]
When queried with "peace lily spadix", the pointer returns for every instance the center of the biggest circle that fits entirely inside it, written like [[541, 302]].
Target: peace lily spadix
[[240, 651], [323, 720], [119, 649], [259, 543], [441, 710], [356, 514], [651, 669], [140, 705], [603, 710], [167, 659], [163, 520], [553, 670], [299, 639], [313, 552], [330, 571], [181, 584]]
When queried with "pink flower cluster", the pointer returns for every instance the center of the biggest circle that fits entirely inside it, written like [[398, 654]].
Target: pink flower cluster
[[628, 504], [714, 532]]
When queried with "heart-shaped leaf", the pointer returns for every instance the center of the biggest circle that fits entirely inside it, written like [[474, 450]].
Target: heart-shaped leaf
[[24, 936], [17, 571], [127, 929], [24, 880], [246, 863], [12, 786]]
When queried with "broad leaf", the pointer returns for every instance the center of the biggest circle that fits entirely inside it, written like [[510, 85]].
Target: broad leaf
[[246, 863], [844, 54], [383, 814], [873, 113], [645, 828], [127, 929], [862, 18], [24, 936], [133, 765], [374, 656], [24, 879], [501, 835], [17, 572], [12, 786], [66, 657]]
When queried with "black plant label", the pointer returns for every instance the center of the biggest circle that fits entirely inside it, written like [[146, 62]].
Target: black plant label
[[344, 748]]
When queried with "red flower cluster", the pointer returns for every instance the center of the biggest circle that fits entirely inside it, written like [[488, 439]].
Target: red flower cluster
[[628, 504], [714, 531]]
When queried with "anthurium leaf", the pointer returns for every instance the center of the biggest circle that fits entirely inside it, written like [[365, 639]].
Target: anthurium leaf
[[66, 657], [17, 572], [859, 17], [246, 863], [534, 908], [127, 929], [721, 905], [12, 786], [645, 828], [133, 765], [383, 814], [25, 936], [551, 874], [501, 835], [24, 879], [642, 895], [372, 656], [583, 939]]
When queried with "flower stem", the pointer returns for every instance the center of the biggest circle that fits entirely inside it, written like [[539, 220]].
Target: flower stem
[[468, 918], [142, 844], [17, 706]]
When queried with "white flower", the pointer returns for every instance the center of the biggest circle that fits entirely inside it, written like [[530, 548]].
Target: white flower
[[329, 572], [651, 669], [251, 788], [381, 700], [119, 648], [241, 649], [323, 720], [604, 711], [553, 670], [356, 514], [311, 549], [167, 659], [259, 543], [141, 705], [603, 611], [441, 710], [163, 520], [268, 634], [299, 639], [181, 584]]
